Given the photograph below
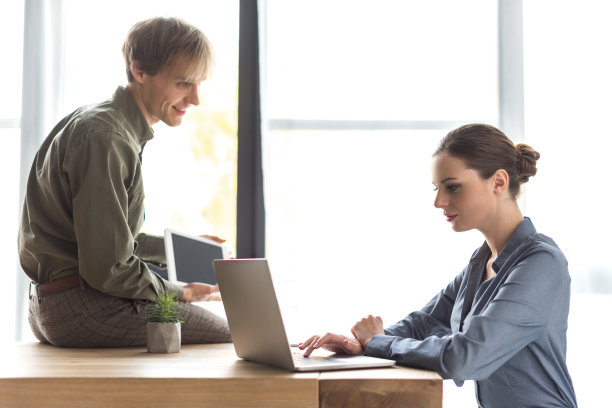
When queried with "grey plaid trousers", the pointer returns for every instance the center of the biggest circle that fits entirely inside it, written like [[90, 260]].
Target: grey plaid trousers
[[85, 317]]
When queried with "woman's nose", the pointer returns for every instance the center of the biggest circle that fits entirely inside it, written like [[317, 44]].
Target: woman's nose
[[440, 201]]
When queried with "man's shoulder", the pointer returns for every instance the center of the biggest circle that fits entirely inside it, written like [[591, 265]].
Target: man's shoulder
[[106, 116], [103, 121]]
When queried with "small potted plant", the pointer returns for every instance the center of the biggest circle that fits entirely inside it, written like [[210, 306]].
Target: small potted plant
[[164, 325]]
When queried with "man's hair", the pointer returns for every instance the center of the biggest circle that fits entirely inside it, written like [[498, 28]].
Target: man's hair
[[159, 43]]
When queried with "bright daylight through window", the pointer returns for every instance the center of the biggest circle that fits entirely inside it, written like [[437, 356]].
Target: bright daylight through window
[[352, 118]]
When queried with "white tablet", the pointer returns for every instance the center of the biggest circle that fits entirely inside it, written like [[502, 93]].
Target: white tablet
[[190, 258]]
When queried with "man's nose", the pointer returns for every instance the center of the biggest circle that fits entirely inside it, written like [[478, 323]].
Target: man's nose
[[194, 96]]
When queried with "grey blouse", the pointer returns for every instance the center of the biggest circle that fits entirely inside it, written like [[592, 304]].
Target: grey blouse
[[507, 333]]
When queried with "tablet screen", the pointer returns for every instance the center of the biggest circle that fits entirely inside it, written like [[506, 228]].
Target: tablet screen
[[192, 257]]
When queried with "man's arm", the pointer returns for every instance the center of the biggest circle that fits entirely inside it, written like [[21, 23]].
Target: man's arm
[[151, 248], [108, 199]]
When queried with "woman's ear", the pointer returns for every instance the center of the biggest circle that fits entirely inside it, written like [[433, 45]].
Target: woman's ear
[[501, 181]]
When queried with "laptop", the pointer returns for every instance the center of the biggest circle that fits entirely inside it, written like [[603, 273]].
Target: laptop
[[190, 258], [256, 324]]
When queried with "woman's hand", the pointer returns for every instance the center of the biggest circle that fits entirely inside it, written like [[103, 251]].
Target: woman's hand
[[366, 328], [336, 343], [196, 292]]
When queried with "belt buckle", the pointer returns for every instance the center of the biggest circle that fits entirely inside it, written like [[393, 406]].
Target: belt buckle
[[32, 283]]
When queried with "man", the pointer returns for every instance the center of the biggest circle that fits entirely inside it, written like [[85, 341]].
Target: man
[[79, 237]]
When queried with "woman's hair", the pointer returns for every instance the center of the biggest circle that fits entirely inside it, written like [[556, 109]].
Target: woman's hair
[[159, 43], [487, 149]]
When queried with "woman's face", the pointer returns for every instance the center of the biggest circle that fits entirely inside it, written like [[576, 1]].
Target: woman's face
[[467, 201]]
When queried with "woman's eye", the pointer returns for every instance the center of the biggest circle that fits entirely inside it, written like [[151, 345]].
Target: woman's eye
[[452, 187]]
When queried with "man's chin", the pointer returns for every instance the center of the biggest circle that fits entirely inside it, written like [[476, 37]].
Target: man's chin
[[173, 123]]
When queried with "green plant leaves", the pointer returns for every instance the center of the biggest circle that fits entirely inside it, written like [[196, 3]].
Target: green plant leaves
[[164, 309]]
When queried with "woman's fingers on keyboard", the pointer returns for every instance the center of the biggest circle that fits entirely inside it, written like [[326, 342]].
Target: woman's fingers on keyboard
[[329, 341], [309, 345]]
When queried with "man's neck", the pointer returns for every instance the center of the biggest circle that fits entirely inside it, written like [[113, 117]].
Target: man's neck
[[134, 90]]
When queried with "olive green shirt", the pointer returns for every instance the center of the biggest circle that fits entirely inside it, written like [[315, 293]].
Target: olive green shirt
[[84, 204]]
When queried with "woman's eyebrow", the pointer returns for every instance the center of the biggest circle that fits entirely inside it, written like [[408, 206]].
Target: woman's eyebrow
[[448, 179]]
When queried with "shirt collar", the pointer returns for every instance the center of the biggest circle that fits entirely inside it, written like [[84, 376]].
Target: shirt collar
[[134, 116], [524, 230]]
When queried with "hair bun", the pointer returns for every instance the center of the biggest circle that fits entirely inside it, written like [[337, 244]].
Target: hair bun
[[527, 161]]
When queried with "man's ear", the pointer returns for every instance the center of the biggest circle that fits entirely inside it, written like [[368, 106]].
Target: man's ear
[[137, 73], [501, 181]]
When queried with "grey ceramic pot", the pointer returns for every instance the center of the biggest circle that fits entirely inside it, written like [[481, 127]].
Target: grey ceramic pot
[[163, 337]]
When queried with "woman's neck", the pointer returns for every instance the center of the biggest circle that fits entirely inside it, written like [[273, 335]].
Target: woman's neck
[[501, 227]]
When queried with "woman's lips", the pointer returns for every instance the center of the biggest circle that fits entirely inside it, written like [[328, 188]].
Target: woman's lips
[[450, 217]]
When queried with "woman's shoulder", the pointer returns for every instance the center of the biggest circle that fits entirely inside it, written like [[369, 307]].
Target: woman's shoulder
[[539, 242], [526, 241], [541, 253]]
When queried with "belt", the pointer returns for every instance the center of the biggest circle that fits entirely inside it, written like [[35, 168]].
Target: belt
[[57, 286]]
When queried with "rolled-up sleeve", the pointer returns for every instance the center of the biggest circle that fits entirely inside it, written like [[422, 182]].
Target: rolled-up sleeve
[[151, 248], [105, 176]]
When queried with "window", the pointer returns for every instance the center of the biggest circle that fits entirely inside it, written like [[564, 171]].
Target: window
[[10, 138], [356, 98], [392, 60]]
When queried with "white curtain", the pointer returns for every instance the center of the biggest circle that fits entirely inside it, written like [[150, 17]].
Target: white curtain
[[41, 95]]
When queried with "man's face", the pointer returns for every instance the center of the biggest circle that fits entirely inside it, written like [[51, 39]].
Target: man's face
[[167, 95]]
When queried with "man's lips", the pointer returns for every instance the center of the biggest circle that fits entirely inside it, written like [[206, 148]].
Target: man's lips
[[180, 111]]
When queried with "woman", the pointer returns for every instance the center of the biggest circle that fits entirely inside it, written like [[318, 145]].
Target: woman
[[502, 321]]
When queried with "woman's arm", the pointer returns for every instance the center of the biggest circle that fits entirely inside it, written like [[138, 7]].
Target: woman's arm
[[434, 318], [515, 317]]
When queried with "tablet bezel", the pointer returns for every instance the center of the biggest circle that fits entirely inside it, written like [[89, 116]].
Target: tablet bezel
[[169, 247]]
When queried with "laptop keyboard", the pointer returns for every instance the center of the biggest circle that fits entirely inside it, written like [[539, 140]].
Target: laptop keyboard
[[300, 360]]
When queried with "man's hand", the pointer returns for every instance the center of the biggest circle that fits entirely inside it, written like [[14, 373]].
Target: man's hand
[[219, 241], [196, 292], [214, 238], [366, 328]]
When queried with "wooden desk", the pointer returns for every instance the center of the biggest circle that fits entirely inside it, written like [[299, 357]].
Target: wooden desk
[[35, 375]]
